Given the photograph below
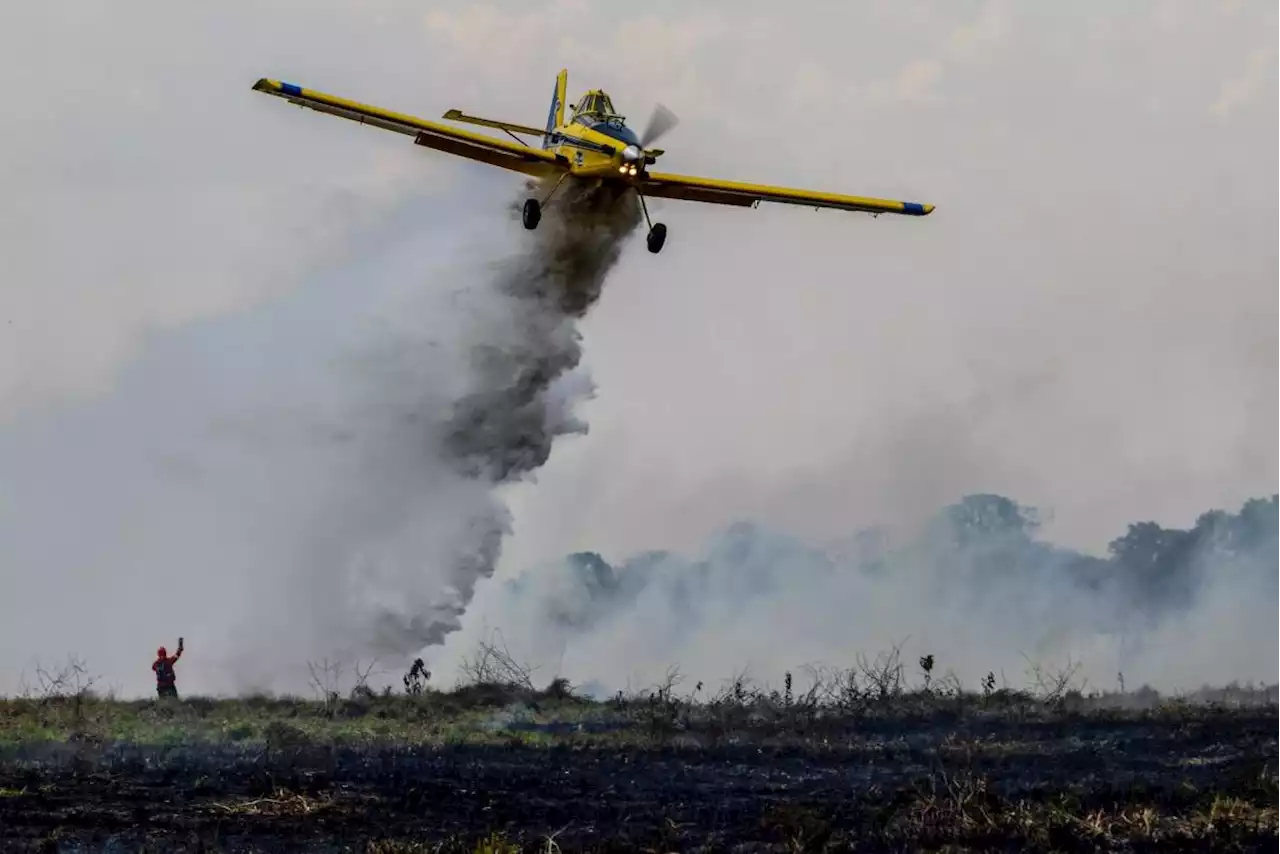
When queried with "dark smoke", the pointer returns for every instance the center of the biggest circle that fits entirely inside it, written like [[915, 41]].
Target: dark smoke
[[505, 427]]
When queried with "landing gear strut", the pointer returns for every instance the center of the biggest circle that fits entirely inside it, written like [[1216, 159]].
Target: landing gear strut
[[657, 231], [532, 212]]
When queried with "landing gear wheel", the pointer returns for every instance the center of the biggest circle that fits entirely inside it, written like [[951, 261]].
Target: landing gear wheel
[[531, 214], [657, 237]]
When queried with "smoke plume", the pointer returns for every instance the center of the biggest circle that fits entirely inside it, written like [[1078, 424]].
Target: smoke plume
[[524, 347]]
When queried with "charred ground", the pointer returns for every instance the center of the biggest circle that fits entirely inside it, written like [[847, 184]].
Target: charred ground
[[855, 759]]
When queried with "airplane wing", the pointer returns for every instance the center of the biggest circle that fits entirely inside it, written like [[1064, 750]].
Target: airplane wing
[[714, 191], [475, 146]]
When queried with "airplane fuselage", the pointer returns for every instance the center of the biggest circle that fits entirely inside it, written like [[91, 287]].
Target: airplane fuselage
[[604, 151]]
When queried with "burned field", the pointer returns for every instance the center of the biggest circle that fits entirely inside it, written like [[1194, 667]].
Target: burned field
[[499, 768]]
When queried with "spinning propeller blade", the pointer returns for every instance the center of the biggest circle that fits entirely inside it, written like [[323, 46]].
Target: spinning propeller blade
[[660, 123]]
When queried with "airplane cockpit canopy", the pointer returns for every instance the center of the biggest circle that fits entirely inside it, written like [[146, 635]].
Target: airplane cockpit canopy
[[595, 104], [595, 110]]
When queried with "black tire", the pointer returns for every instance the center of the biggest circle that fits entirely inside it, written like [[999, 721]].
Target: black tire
[[657, 237], [531, 214]]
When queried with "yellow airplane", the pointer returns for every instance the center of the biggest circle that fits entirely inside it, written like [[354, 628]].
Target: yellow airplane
[[594, 145]]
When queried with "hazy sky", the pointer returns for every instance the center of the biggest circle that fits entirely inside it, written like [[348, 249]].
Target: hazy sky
[[1086, 323]]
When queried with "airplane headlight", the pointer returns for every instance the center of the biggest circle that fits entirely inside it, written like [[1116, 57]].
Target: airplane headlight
[[622, 169], [633, 170]]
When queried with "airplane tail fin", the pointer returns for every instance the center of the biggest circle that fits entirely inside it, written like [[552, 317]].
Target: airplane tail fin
[[555, 117]]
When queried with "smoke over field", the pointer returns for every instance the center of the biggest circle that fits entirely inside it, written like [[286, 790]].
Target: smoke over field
[[976, 587]]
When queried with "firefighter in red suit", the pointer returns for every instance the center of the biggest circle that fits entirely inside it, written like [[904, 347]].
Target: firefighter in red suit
[[166, 679]]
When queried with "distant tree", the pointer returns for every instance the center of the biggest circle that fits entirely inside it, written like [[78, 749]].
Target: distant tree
[[980, 540], [594, 572], [1253, 530], [1157, 562], [593, 585], [988, 517]]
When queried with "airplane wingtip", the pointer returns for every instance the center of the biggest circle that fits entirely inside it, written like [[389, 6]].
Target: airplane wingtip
[[277, 87]]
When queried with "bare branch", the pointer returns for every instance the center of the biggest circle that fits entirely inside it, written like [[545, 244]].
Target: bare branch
[[493, 664]]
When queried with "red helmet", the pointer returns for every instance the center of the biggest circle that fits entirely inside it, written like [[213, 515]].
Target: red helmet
[[160, 653]]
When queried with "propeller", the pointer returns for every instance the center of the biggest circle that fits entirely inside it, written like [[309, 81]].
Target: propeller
[[660, 123]]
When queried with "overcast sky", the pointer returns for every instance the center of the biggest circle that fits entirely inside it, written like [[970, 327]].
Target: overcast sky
[[1087, 322]]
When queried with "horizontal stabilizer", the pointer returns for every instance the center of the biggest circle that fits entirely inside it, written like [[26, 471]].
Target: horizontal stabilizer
[[459, 116]]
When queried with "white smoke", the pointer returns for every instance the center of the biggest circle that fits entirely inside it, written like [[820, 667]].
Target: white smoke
[[345, 505], [990, 603]]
